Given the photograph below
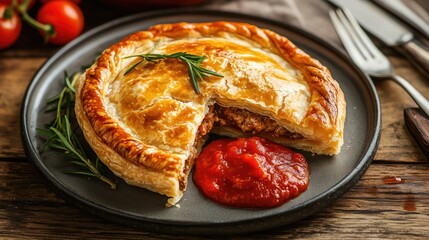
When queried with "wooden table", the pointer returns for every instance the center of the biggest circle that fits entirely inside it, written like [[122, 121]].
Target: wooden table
[[373, 208]]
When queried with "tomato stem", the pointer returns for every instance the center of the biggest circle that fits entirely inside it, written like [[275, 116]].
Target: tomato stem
[[24, 4], [48, 29], [8, 12]]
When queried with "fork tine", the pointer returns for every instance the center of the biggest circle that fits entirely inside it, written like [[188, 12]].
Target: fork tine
[[344, 35], [353, 34], [361, 34]]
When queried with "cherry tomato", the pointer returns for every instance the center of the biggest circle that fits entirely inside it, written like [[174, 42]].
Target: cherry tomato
[[9, 28], [66, 18], [8, 2], [45, 1]]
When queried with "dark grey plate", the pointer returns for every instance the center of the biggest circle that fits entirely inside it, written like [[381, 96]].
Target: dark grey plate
[[330, 176]]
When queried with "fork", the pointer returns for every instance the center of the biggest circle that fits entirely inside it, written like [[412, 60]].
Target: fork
[[367, 56]]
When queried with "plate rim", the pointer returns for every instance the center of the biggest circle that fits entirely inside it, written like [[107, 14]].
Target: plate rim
[[312, 205]]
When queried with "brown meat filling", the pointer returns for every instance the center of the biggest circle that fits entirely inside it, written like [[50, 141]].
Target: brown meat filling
[[237, 118], [245, 121], [203, 130], [251, 122]]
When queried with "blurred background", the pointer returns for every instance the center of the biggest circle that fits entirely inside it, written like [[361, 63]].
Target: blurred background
[[97, 12]]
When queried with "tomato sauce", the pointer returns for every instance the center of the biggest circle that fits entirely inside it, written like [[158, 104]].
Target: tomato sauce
[[250, 172]]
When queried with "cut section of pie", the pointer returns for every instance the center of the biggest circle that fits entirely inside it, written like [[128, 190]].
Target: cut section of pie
[[148, 125]]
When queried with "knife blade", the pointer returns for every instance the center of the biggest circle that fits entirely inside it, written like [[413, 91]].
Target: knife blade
[[391, 32], [400, 9]]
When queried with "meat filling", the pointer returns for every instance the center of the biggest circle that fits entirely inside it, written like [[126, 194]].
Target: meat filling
[[237, 118], [251, 122], [203, 130], [245, 121]]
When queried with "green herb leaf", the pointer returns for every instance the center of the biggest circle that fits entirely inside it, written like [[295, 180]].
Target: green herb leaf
[[60, 136], [192, 61], [82, 173]]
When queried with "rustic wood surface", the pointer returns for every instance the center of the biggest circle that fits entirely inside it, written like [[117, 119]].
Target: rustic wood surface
[[390, 201]]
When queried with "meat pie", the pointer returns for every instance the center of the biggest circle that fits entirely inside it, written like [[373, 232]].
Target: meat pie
[[148, 125]]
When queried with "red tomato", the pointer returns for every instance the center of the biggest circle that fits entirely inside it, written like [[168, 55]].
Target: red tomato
[[45, 1], [66, 18], [8, 2], [9, 28]]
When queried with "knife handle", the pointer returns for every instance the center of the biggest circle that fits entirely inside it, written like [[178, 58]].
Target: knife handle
[[417, 124], [418, 54]]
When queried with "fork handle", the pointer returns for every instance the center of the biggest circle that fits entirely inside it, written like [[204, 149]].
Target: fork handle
[[416, 95], [417, 53]]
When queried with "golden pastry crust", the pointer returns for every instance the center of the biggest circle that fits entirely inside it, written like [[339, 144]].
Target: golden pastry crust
[[143, 125]]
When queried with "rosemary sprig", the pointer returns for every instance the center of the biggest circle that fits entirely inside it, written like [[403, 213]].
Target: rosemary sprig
[[60, 135], [192, 61]]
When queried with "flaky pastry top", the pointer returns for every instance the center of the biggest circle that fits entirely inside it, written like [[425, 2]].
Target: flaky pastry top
[[151, 116]]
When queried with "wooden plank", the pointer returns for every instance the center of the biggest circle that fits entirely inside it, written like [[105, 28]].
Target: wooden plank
[[44, 52], [396, 144], [378, 206], [16, 74]]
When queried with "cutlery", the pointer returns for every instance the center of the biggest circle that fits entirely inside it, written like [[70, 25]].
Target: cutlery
[[367, 56], [388, 30], [400, 9], [418, 125]]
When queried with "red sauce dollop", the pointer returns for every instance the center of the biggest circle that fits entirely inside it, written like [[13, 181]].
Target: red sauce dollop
[[250, 172]]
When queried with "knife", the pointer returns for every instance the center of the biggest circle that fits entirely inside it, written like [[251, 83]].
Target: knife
[[417, 124], [388, 30], [400, 9]]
